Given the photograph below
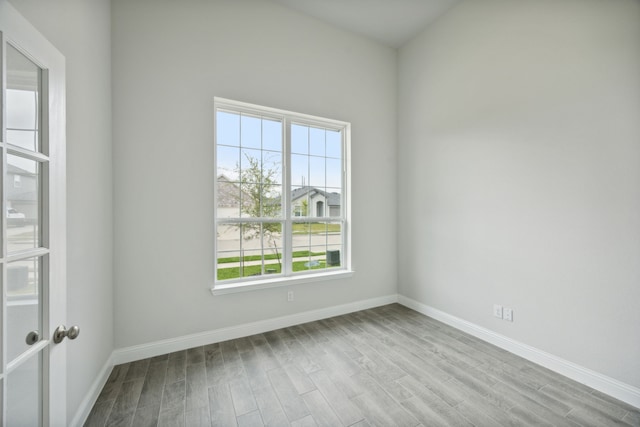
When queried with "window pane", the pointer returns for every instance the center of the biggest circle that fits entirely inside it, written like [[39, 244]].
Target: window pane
[[334, 203], [317, 245], [272, 247], [334, 173], [256, 250], [300, 201], [316, 142], [260, 184], [24, 304], [23, 204], [333, 234], [271, 135], [271, 201], [299, 139], [251, 132], [228, 128], [314, 259], [334, 144], [229, 248], [250, 199], [250, 165], [301, 235], [229, 199], [317, 172], [250, 263], [271, 172], [299, 170], [228, 162]]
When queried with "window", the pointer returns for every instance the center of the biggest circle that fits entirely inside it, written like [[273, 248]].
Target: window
[[281, 199]]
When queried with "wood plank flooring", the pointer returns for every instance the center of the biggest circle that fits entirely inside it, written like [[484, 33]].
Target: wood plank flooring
[[387, 366]]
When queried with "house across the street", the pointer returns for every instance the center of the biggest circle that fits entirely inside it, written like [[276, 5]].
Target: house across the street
[[313, 202]]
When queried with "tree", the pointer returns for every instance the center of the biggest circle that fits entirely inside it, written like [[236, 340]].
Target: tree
[[260, 197]]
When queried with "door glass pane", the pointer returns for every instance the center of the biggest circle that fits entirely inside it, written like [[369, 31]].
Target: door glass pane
[[23, 101], [23, 304], [1, 401], [22, 187], [24, 394]]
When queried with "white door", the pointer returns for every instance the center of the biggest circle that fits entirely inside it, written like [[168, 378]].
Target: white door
[[32, 261]]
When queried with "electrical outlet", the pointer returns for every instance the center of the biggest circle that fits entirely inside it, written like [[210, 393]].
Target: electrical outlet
[[507, 314], [290, 296], [497, 311]]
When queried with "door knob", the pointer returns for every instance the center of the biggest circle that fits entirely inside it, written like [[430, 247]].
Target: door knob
[[61, 332], [32, 337]]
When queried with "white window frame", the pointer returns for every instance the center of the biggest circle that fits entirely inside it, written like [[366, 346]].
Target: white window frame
[[289, 277]]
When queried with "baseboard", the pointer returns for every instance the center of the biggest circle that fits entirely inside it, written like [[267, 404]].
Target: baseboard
[[600, 382], [138, 352], [82, 413]]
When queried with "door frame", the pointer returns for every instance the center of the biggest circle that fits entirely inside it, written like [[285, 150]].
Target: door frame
[[16, 29]]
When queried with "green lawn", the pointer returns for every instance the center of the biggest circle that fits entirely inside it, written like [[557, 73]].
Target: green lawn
[[315, 228], [297, 254], [255, 270]]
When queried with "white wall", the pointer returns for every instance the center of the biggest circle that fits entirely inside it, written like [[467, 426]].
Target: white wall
[[519, 177], [81, 31], [169, 60]]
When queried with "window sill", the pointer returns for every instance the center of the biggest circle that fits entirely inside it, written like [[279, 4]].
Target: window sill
[[278, 282]]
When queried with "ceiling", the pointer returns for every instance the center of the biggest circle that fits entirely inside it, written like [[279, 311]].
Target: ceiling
[[391, 22]]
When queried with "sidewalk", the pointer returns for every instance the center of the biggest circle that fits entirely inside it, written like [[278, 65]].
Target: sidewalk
[[269, 261]]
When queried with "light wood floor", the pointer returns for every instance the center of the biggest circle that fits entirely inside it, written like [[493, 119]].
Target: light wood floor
[[387, 366]]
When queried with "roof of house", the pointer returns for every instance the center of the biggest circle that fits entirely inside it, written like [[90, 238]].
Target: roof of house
[[333, 199]]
